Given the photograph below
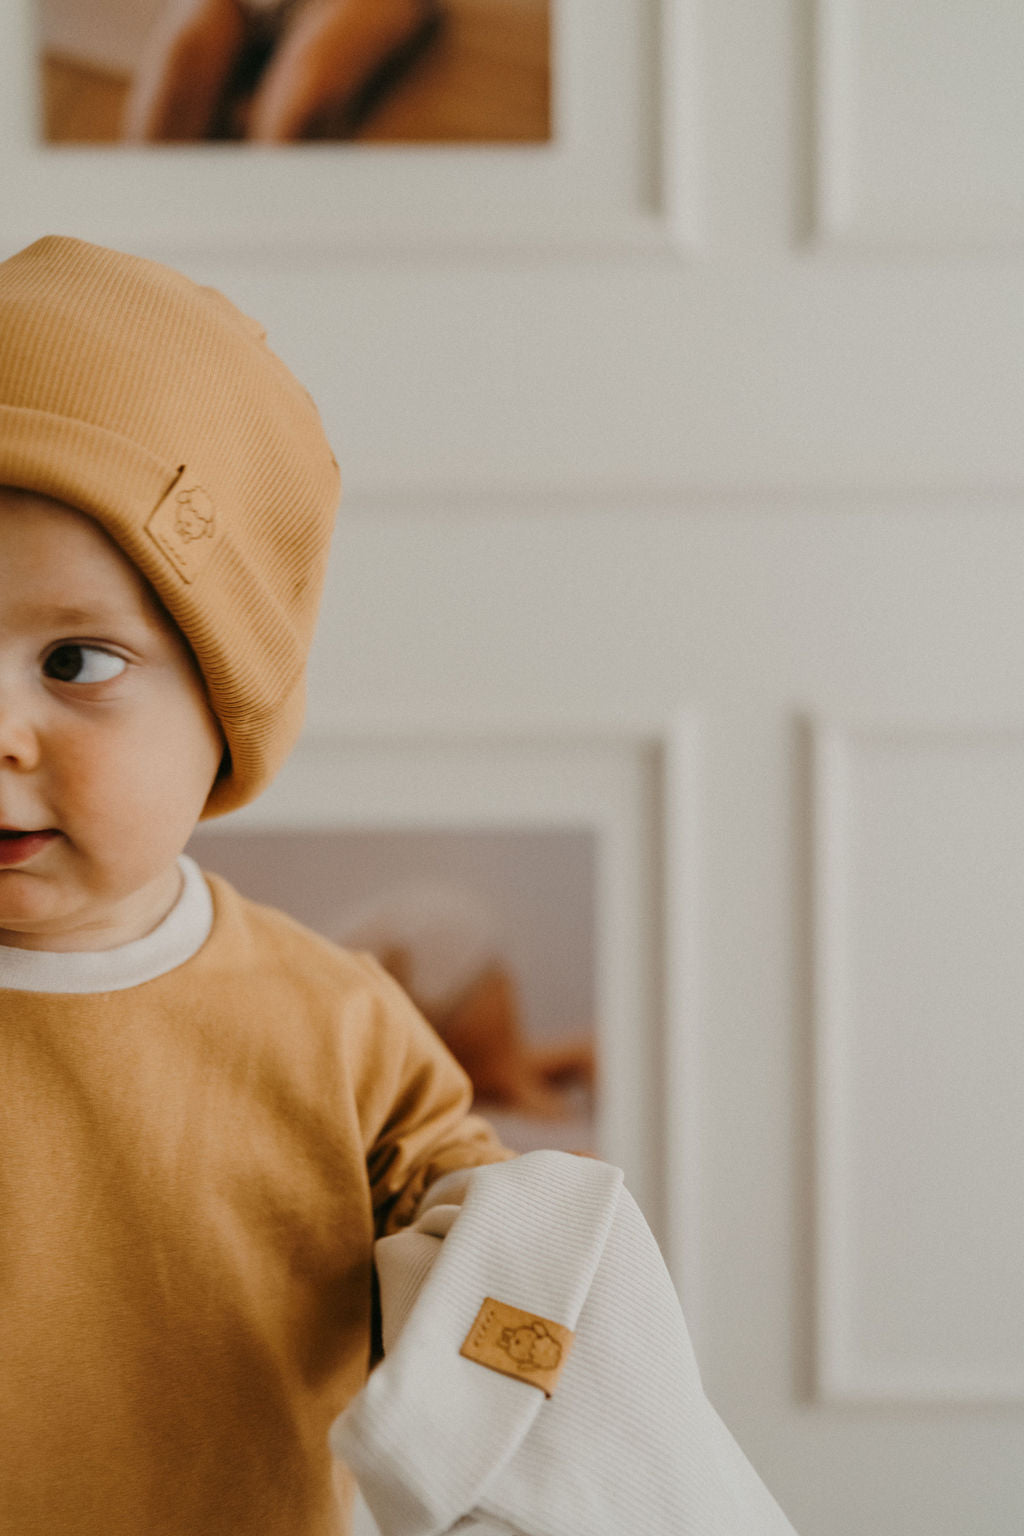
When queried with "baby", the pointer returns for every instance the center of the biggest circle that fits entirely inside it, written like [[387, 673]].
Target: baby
[[209, 1113], [269, 70], [237, 1167]]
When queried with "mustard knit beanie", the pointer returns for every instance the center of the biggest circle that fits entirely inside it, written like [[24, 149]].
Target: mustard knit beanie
[[156, 407]]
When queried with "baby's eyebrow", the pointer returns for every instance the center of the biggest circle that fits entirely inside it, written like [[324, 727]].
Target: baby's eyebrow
[[74, 616], [61, 614]]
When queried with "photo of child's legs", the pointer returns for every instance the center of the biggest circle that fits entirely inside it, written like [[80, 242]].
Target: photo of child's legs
[[269, 73], [178, 89], [328, 55], [289, 72]]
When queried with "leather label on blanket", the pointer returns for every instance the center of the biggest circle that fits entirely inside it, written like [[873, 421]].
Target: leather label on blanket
[[518, 1344]]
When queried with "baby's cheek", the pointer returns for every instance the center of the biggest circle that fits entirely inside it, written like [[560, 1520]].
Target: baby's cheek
[[106, 781], [85, 774]]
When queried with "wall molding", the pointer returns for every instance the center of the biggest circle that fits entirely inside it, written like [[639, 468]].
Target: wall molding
[[639, 498], [842, 218], [842, 1376]]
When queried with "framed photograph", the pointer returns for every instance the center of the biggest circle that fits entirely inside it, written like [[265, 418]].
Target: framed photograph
[[519, 870], [490, 932], [412, 124], [122, 72]]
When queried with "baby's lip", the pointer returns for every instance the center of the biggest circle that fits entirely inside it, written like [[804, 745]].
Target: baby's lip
[[19, 847]]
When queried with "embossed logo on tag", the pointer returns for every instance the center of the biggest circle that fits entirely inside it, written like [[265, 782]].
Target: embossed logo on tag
[[518, 1344], [182, 526]]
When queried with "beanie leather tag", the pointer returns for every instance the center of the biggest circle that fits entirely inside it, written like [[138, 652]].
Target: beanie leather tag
[[183, 526]]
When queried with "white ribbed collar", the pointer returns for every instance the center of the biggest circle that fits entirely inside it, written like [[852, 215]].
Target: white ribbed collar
[[183, 931]]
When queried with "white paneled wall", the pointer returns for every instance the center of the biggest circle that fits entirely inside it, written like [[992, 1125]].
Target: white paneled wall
[[921, 1057], [710, 416], [920, 123]]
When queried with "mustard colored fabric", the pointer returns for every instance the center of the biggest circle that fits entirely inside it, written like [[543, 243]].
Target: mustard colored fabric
[[156, 407], [192, 1175]]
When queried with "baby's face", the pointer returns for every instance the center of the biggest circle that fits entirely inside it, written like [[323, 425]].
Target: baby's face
[[108, 747]]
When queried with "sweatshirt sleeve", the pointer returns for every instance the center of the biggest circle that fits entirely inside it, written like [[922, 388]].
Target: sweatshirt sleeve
[[414, 1105]]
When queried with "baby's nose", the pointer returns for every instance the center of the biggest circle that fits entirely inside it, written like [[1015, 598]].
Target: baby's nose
[[19, 739]]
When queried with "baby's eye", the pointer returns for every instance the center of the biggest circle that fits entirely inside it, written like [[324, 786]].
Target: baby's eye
[[72, 663]]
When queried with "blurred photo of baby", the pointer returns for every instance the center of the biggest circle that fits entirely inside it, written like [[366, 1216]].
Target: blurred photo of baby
[[444, 947]]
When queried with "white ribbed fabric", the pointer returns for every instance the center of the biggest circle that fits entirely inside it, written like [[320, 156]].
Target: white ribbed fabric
[[182, 933], [628, 1443]]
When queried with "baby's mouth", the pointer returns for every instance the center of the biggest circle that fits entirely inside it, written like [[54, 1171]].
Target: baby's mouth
[[17, 845]]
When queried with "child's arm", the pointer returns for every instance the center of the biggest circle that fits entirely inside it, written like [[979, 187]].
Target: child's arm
[[414, 1105]]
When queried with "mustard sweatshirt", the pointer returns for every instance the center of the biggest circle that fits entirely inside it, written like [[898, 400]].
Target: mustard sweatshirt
[[192, 1174]]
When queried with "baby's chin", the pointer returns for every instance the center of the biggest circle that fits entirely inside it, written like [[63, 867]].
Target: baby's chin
[[36, 913]]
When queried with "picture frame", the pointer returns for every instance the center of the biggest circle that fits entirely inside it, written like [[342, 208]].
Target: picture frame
[[489, 930], [615, 790], [620, 168]]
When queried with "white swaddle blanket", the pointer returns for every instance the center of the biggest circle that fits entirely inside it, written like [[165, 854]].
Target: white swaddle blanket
[[628, 1443]]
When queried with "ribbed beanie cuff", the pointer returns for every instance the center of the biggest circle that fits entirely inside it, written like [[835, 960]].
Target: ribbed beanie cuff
[[155, 406]]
